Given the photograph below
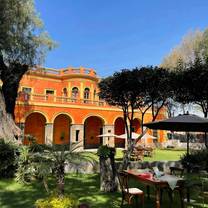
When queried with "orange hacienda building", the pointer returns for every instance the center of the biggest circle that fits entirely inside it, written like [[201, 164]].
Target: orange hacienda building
[[63, 107]]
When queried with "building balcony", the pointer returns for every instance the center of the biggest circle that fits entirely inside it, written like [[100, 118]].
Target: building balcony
[[60, 73], [25, 98]]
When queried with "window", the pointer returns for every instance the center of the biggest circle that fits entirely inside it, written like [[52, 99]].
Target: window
[[86, 93], [26, 90], [49, 92], [75, 92], [77, 135], [26, 93], [65, 93]]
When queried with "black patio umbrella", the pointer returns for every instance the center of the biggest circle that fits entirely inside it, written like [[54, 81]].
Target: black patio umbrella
[[186, 123]]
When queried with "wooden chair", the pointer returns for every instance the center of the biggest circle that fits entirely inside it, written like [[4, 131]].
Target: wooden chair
[[129, 193], [177, 172]]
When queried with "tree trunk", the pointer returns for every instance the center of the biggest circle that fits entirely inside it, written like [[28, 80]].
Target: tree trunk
[[60, 175], [8, 128], [108, 181], [11, 77]]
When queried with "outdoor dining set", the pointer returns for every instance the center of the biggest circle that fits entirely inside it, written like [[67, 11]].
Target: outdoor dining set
[[161, 182]]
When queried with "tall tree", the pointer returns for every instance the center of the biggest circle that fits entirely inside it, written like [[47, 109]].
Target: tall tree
[[155, 86], [23, 44], [122, 90], [191, 86], [186, 51]]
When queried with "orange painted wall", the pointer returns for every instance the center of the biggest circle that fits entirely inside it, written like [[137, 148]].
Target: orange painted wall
[[61, 129], [35, 126]]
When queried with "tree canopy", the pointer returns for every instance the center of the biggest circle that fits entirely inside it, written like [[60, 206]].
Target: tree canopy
[[23, 44], [137, 89], [193, 45], [191, 85], [22, 38]]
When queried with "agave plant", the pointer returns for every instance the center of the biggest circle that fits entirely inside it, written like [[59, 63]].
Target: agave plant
[[48, 162]]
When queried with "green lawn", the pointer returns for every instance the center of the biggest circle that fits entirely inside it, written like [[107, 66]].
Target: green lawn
[[158, 155], [85, 187]]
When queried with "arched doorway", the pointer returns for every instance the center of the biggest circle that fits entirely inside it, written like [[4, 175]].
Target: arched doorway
[[119, 128], [93, 126], [136, 126], [35, 126], [61, 129]]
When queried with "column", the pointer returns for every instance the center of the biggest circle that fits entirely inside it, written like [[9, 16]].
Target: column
[[81, 90], [49, 133], [77, 135], [108, 140]]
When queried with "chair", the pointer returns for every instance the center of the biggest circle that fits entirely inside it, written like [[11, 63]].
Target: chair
[[177, 172], [129, 193], [137, 154], [148, 152]]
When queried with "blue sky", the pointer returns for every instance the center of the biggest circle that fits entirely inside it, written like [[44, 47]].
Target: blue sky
[[109, 35]]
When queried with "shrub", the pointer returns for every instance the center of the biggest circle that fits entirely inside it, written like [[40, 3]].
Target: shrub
[[197, 158], [67, 201], [8, 154]]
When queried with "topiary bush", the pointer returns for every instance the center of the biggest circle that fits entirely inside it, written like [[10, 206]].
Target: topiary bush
[[67, 201], [8, 155]]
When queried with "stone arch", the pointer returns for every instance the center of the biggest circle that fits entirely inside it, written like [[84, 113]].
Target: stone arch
[[63, 113], [96, 115], [37, 111], [35, 126], [61, 129], [119, 128], [93, 126]]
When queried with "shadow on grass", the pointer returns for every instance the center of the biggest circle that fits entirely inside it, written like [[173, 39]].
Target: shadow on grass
[[84, 186], [13, 195]]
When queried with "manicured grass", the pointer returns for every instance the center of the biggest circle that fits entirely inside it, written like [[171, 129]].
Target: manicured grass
[[84, 187], [158, 155]]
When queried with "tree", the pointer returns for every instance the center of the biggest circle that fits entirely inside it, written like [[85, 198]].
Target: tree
[[155, 90], [186, 51], [108, 182], [23, 44], [122, 90], [191, 86], [38, 162]]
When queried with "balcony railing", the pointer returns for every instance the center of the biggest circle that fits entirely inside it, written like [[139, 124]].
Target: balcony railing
[[26, 98], [61, 72]]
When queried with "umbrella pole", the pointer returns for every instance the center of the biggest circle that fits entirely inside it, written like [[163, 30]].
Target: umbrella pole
[[188, 137], [188, 167]]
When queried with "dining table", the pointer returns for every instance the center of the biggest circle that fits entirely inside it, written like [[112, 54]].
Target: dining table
[[149, 180]]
